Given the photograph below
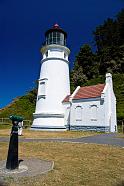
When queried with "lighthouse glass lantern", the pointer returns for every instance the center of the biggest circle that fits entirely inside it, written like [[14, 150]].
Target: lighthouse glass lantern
[[56, 36], [54, 82]]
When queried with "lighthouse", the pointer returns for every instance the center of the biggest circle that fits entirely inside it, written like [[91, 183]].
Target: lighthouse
[[54, 82]]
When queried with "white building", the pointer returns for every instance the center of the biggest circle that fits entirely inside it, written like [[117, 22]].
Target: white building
[[92, 108], [88, 108]]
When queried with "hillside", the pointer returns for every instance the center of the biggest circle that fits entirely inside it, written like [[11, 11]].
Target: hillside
[[23, 106]]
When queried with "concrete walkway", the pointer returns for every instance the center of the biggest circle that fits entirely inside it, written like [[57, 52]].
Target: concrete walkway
[[27, 168], [109, 139]]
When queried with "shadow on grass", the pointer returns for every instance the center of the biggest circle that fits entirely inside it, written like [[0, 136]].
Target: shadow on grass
[[3, 184], [20, 161], [121, 183]]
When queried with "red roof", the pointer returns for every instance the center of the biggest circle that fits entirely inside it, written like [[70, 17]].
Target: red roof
[[56, 26], [89, 91], [66, 98]]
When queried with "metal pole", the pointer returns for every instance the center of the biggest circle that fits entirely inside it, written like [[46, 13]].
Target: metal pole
[[122, 127], [12, 158]]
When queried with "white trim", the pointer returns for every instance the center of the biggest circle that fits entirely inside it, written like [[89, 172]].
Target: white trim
[[54, 58], [42, 79], [61, 47], [74, 93], [104, 91], [48, 115]]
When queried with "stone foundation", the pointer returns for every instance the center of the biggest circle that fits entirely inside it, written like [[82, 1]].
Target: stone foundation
[[90, 128]]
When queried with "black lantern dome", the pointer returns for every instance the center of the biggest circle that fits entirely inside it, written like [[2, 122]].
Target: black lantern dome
[[55, 35]]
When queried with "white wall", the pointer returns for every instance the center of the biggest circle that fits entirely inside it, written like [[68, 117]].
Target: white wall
[[54, 86], [67, 107], [110, 104], [99, 112], [88, 106], [57, 85]]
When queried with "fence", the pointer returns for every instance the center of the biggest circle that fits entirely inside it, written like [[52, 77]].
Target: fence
[[121, 126], [27, 123], [7, 121]]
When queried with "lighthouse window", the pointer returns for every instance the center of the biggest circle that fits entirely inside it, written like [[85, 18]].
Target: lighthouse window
[[56, 38], [50, 40], [42, 88], [64, 55], [54, 34], [61, 39]]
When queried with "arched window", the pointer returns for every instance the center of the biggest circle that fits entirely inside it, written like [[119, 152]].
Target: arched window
[[78, 113], [93, 112]]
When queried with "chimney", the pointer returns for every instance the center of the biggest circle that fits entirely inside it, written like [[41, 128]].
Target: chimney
[[109, 79]]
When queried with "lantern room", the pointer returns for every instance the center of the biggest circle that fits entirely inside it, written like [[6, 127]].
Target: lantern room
[[56, 35]]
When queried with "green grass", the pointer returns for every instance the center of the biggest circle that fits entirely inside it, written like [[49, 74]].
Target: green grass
[[44, 134], [5, 126]]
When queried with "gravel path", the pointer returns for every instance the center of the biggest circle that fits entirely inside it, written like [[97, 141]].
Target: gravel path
[[110, 139]]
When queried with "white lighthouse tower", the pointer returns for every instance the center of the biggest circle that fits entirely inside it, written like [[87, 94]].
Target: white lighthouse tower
[[54, 83]]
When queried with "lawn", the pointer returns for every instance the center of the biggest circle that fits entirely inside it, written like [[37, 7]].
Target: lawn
[[27, 133], [75, 164]]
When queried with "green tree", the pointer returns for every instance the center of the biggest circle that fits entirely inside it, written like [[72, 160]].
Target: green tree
[[109, 40], [77, 77], [88, 61], [86, 67], [107, 35], [111, 60], [120, 23]]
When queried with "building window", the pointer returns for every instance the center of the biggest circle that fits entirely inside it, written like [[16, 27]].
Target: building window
[[64, 56], [93, 112], [78, 113]]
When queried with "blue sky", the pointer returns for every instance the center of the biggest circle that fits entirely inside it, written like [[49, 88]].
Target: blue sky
[[22, 27]]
